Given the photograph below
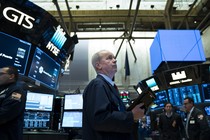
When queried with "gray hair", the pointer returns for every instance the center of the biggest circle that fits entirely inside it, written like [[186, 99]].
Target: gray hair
[[97, 57]]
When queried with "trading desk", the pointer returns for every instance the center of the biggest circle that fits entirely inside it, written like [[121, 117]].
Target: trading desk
[[46, 135]]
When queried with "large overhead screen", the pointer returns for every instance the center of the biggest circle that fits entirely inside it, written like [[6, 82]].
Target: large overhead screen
[[44, 69], [168, 43], [14, 52]]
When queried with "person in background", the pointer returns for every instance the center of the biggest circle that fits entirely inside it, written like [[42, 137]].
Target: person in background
[[196, 123], [12, 105], [104, 114], [170, 124]]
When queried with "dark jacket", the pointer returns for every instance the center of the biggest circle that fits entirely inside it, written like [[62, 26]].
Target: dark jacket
[[167, 130], [198, 128], [104, 114], [12, 106]]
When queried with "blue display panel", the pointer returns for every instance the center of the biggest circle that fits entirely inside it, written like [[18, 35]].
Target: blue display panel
[[14, 52], [206, 92], [168, 43], [177, 95], [36, 120], [72, 119], [73, 101], [44, 69], [39, 101], [161, 99]]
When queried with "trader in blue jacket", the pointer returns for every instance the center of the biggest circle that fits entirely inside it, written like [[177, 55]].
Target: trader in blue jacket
[[12, 105], [104, 114]]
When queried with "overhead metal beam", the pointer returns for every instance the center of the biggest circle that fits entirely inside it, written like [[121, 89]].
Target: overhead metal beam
[[60, 15], [188, 12], [168, 14], [134, 20], [206, 18], [70, 18]]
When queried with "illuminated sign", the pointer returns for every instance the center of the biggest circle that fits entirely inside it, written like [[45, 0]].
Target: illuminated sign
[[178, 75], [57, 41], [18, 17]]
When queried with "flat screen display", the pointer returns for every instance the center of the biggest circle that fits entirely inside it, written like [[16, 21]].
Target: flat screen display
[[72, 119], [206, 92], [36, 120], [185, 75], [153, 83], [44, 69], [177, 95], [161, 99], [207, 110], [39, 101], [14, 52], [73, 101]]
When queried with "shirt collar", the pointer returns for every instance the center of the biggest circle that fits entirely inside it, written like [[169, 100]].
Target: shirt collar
[[191, 110], [107, 79]]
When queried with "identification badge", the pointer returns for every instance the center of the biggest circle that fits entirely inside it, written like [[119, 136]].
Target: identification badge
[[192, 121]]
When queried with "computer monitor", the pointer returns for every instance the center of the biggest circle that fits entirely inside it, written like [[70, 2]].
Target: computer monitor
[[206, 91], [152, 83], [160, 100], [207, 110], [14, 52], [44, 69], [73, 101], [39, 101], [177, 95], [36, 120], [72, 119]]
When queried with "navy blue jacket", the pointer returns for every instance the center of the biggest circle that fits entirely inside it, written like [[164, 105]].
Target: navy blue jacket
[[12, 106], [198, 128], [104, 114]]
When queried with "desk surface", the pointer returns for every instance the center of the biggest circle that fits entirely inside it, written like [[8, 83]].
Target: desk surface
[[45, 132]]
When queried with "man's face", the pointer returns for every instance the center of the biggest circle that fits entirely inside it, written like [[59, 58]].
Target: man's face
[[107, 64], [188, 106], [5, 78], [168, 108]]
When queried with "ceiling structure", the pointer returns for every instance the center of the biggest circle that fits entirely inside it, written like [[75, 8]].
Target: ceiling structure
[[128, 15]]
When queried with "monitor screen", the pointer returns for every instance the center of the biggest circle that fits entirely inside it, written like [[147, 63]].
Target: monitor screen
[[39, 101], [161, 99], [152, 84], [72, 119], [14, 52], [207, 110], [185, 75], [36, 120], [44, 69], [177, 95], [206, 91], [155, 82], [73, 101]]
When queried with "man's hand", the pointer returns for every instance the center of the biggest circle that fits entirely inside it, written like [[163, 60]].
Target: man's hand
[[138, 112]]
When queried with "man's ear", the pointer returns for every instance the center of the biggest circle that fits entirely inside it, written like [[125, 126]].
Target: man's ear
[[98, 66], [12, 76]]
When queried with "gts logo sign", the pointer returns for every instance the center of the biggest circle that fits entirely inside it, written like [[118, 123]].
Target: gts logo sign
[[18, 17]]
